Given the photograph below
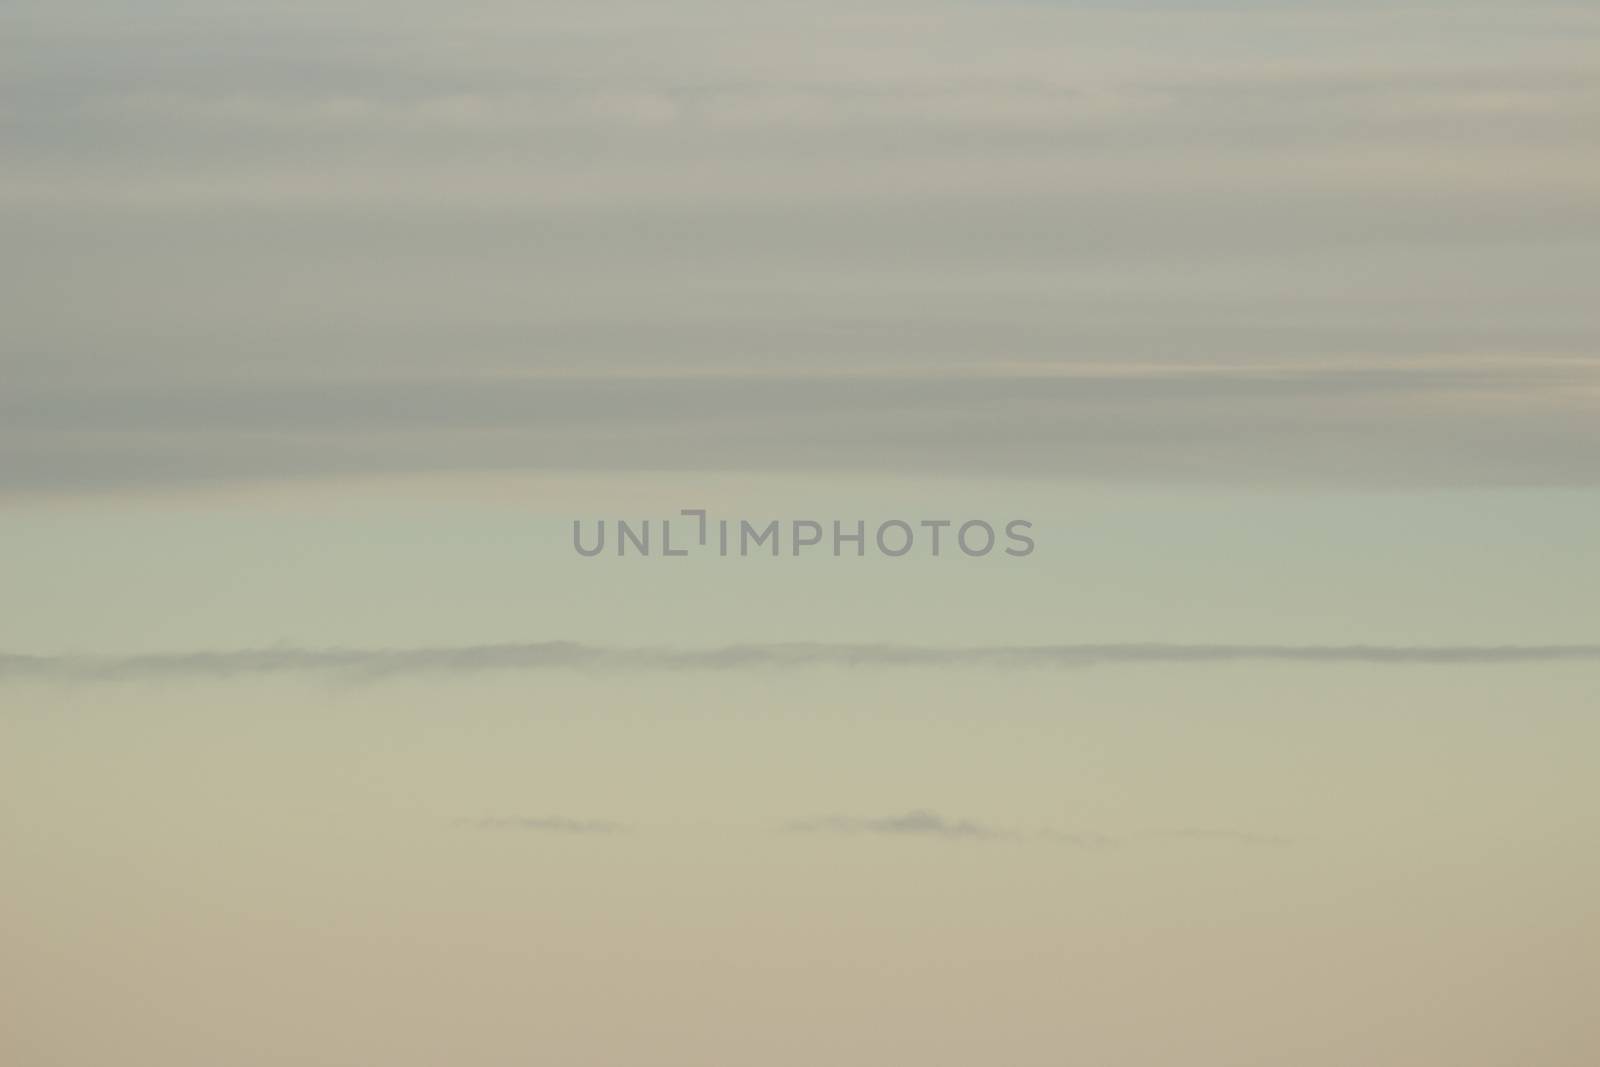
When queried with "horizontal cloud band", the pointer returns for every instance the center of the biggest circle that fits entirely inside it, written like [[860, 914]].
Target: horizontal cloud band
[[466, 659], [1512, 422]]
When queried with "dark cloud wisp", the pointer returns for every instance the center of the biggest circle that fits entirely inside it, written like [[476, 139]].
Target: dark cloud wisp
[[378, 663]]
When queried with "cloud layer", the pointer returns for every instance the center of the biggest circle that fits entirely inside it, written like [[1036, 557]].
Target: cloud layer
[[1491, 422], [375, 663], [767, 236]]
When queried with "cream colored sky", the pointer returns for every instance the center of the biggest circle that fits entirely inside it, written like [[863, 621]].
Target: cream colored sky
[[1203, 864]]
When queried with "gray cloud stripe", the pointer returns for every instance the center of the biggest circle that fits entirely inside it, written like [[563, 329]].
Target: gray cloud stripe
[[468, 659]]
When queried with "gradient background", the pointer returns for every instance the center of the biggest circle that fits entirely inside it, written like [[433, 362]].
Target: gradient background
[[322, 322]]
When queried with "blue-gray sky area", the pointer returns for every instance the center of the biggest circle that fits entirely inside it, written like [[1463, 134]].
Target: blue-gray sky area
[[1286, 244]]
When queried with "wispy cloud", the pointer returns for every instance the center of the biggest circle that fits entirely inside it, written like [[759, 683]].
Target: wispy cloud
[[915, 823], [1211, 835], [1081, 839], [1409, 422], [377, 663], [549, 824], [919, 823], [923, 822], [381, 663]]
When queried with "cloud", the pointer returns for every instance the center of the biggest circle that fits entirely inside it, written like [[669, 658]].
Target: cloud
[[799, 187], [918, 823], [1081, 839], [1409, 423], [546, 824], [1208, 835], [922, 822], [378, 663]]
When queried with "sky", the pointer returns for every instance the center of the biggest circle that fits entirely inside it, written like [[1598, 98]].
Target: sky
[[324, 323]]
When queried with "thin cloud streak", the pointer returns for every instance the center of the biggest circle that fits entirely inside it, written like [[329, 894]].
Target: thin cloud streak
[[916, 823], [552, 824], [378, 663], [919, 823], [925, 823], [1483, 422], [1208, 835]]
